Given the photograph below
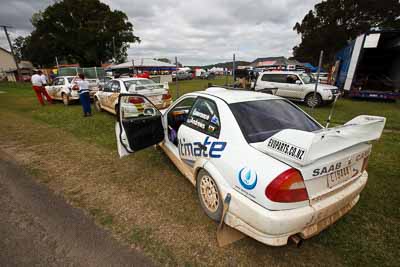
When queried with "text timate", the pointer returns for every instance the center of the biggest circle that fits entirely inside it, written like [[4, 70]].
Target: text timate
[[198, 149]]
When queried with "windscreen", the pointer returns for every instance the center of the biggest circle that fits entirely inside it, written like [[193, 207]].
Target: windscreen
[[143, 84], [261, 119]]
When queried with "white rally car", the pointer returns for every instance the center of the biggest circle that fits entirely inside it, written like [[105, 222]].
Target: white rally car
[[107, 97], [62, 89], [286, 174]]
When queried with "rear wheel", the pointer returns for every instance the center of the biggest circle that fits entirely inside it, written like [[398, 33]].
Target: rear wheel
[[311, 102], [65, 99], [209, 195], [97, 105]]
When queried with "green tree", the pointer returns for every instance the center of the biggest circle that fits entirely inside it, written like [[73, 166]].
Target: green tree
[[19, 47], [333, 23], [79, 31]]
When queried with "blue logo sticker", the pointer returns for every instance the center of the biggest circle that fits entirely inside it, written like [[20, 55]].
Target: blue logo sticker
[[247, 178], [214, 120]]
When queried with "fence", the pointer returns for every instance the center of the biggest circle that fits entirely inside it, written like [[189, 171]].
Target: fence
[[90, 73]]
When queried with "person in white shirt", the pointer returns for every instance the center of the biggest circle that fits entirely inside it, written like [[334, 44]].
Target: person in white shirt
[[44, 79], [84, 95], [37, 86]]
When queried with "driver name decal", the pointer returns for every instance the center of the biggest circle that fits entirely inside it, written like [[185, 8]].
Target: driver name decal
[[287, 149]]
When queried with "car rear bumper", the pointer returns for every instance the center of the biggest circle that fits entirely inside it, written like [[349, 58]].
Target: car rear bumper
[[275, 227]]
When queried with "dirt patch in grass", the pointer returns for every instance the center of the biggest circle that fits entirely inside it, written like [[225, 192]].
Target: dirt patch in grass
[[142, 200]]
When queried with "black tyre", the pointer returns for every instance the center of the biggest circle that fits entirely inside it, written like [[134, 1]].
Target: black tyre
[[97, 105], [209, 195], [116, 108], [311, 102], [65, 99]]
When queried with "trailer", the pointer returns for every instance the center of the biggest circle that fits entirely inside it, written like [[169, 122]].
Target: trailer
[[369, 67]]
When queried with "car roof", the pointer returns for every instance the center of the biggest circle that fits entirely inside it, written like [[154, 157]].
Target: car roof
[[130, 79], [236, 95], [282, 72]]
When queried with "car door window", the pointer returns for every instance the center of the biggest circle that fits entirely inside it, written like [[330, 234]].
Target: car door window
[[60, 81], [291, 78], [204, 117], [267, 78], [115, 87], [107, 86], [177, 116]]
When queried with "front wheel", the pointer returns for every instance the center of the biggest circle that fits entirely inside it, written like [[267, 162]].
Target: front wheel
[[97, 105], [311, 102], [209, 196], [65, 99]]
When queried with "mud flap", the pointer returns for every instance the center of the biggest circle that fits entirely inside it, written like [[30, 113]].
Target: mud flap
[[225, 234]]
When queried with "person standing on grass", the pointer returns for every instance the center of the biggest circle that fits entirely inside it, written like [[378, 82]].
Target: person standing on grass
[[38, 87], [44, 79], [84, 96]]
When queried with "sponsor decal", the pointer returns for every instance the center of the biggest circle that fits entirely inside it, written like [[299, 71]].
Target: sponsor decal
[[214, 120], [337, 166], [286, 148], [200, 115], [211, 128], [247, 178], [327, 169], [206, 148], [196, 123]]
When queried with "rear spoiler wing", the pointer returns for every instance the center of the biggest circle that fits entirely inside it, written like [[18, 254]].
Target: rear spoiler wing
[[303, 148]]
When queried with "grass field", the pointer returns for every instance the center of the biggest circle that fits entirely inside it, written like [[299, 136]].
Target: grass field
[[171, 228]]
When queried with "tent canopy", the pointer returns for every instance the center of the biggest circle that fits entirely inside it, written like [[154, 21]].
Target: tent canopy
[[145, 63]]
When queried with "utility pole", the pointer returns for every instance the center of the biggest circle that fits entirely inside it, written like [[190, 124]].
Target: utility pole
[[176, 77], [317, 81], [115, 57], [233, 68], [133, 67], [12, 50]]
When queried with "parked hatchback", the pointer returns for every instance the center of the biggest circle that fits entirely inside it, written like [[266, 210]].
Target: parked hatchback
[[296, 86]]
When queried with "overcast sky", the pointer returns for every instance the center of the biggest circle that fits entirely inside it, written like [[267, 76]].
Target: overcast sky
[[197, 32]]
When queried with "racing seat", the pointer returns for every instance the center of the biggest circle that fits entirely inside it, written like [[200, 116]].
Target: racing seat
[[175, 120]]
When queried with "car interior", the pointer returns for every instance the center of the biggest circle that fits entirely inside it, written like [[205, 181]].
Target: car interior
[[177, 116]]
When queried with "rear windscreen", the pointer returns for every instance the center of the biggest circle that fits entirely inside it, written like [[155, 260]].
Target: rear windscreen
[[261, 119]]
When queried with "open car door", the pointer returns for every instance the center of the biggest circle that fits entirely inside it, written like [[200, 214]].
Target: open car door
[[139, 124]]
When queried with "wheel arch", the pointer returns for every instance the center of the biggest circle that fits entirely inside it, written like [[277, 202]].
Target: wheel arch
[[311, 93], [222, 184]]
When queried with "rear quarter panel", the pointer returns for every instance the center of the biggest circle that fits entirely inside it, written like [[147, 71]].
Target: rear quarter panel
[[239, 159]]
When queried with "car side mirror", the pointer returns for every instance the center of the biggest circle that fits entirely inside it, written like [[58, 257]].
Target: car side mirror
[[298, 82]]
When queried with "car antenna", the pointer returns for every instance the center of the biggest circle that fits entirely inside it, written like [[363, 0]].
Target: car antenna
[[328, 121]]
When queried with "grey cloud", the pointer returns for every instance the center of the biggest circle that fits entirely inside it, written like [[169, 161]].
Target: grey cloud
[[198, 32]]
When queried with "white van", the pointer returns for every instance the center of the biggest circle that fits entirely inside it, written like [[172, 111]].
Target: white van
[[297, 86]]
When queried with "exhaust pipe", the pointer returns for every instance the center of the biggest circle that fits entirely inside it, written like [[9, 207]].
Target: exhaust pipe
[[297, 240]]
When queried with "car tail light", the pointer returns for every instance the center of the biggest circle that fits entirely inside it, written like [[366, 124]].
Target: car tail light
[[287, 187], [75, 87], [166, 96], [136, 100], [365, 164]]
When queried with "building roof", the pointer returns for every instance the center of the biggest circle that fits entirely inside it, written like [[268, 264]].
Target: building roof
[[5, 50], [143, 62]]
